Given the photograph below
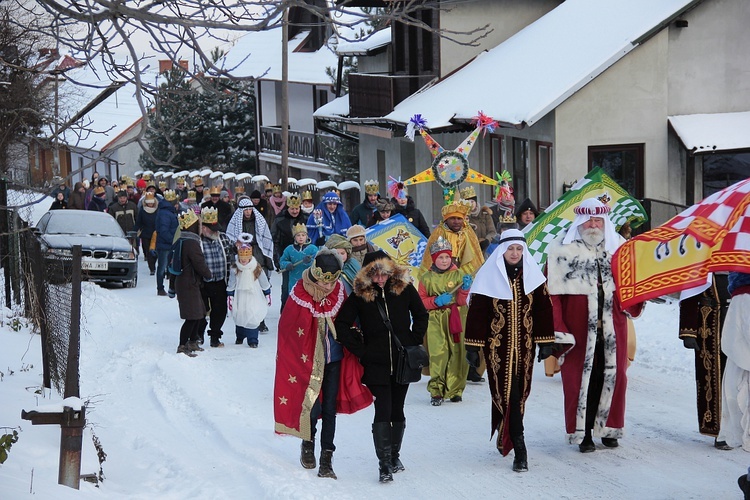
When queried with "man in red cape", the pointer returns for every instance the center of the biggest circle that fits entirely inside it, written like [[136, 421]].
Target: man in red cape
[[315, 376], [589, 318]]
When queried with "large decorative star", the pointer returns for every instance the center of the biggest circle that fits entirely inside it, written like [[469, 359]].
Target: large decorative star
[[282, 400], [292, 379]]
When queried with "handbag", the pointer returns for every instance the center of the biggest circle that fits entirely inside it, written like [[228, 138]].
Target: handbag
[[410, 359]]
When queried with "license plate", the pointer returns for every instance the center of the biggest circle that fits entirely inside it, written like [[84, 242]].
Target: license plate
[[94, 265]]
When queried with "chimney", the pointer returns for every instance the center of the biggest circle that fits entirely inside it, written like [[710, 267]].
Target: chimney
[[167, 64]]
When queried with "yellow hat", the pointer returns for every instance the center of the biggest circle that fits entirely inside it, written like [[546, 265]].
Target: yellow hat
[[209, 215], [170, 195], [187, 219], [293, 201], [459, 208]]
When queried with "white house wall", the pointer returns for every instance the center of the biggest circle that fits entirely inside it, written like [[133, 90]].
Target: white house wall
[[268, 103], [301, 108], [472, 15], [624, 105]]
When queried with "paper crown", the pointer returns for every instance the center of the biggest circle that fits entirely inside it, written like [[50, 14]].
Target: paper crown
[[468, 192], [209, 215], [508, 218], [458, 208], [191, 194], [170, 195], [99, 190], [307, 196], [441, 245], [293, 201], [245, 250], [197, 181], [215, 190], [125, 180], [299, 228], [239, 189], [180, 180], [592, 206], [276, 188], [187, 219], [162, 185], [372, 187], [149, 197], [146, 177], [322, 276]]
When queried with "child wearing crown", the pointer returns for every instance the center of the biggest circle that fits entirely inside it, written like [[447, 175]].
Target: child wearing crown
[[298, 256], [249, 292], [443, 289]]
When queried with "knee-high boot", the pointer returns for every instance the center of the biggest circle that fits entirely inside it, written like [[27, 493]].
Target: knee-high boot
[[520, 461], [381, 435], [397, 435]]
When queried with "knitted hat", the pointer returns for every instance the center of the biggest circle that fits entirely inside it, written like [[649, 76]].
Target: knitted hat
[[140, 184], [326, 267], [354, 231], [337, 241], [224, 193], [255, 194], [122, 193], [331, 197]]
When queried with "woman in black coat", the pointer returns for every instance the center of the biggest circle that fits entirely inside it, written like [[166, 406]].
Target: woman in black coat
[[383, 281]]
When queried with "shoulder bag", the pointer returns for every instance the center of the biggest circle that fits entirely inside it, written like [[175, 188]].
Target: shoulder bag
[[410, 359]]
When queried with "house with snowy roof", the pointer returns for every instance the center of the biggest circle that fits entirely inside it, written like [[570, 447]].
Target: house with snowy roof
[[654, 92]]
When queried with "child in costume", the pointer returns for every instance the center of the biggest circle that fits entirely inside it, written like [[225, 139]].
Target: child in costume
[[298, 256], [444, 288], [249, 292]]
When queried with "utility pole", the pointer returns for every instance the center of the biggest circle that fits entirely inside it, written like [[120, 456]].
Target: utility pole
[[285, 99]]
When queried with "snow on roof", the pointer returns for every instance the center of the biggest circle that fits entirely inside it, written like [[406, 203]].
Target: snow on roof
[[531, 73], [108, 118], [334, 109], [257, 54], [713, 132], [365, 46]]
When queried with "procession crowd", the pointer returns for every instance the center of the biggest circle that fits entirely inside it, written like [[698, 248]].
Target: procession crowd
[[479, 305]]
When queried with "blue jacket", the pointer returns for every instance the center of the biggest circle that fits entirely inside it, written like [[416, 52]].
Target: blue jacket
[[166, 225], [291, 255], [145, 223]]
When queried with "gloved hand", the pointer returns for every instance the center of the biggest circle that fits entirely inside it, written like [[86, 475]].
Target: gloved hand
[[153, 253], [307, 259], [289, 267], [230, 299], [691, 343], [268, 300], [443, 299], [467, 281], [545, 351]]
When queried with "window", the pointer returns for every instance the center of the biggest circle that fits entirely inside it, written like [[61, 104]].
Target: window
[[380, 158], [623, 163], [543, 174], [519, 167], [497, 154], [723, 170]]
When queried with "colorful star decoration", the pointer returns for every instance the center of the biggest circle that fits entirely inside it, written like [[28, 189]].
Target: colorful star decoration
[[450, 167]]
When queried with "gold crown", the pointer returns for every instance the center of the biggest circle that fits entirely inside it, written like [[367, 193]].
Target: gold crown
[[197, 181], [372, 187], [459, 208], [170, 195], [215, 190], [191, 194], [293, 201], [468, 192], [306, 195], [239, 189], [276, 188], [149, 196], [180, 180], [187, 219], [299, 228], [146, 177], [162, 185], [508, 218], [209, 215], [327, 277], [126, 180], [245, 251]]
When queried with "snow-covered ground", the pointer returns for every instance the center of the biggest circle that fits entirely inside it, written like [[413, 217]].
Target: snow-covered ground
[[176, 428]]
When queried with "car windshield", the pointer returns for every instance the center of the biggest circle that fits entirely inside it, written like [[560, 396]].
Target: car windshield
[[80, 223]]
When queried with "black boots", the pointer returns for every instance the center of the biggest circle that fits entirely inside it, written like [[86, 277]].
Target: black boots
[[397, 435], [520, 462], [610, 442], [307, 454], [381, 435], [587, 445], [326, 469]]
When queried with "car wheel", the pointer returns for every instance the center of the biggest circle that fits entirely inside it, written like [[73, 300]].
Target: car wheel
[[131, 283]]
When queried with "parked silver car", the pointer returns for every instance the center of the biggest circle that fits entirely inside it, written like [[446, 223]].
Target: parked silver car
[[107, 255]]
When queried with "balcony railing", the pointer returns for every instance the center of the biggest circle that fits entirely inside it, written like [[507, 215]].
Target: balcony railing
[[302, 145], [377, 95]]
